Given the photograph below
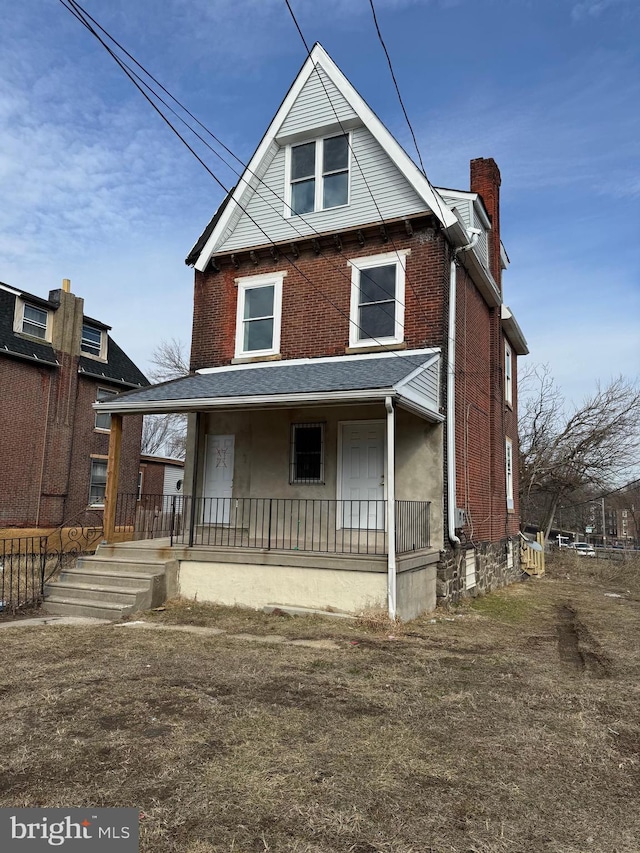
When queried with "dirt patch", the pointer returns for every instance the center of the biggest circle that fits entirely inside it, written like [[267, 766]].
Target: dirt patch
[[577, 647], [488, 730]]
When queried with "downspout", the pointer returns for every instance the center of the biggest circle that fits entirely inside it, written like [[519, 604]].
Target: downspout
[[451, 391], [391, 508]]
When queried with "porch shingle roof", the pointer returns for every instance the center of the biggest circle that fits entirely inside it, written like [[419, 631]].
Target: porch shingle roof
[[258, 383]]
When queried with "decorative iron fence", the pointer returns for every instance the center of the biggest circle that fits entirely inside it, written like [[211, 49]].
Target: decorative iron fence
[[289, 524], [21, 567], [28, 562]]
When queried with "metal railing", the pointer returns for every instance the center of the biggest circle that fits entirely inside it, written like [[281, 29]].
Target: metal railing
[[289, 524], [22, 561]]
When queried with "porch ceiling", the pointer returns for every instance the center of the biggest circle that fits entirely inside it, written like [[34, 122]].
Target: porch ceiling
[[410, 377]]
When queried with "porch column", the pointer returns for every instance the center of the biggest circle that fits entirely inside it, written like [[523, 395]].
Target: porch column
[[391, 506], [113, 468], [194, 480]]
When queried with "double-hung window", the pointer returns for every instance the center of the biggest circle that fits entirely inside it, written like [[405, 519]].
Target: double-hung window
[[307, 453], [92, 342], [377, 299], [103, 419], [319, 175], [259, 315], [509, 472], [98, 482], [508, 374], [34, 321]]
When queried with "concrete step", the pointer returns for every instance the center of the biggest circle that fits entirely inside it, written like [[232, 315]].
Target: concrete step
[[111, 578], [94, 593], [133, 552], [100, 564], [63, 606]]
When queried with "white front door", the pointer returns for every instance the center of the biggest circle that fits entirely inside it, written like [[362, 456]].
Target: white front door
[[362, 477], [218, 479]]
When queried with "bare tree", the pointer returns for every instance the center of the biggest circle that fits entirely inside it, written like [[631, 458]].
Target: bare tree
[[166, 434], [566, 455]]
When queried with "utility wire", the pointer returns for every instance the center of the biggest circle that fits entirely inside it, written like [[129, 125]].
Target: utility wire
[[355, 157], [395, 83], [77, 11], [245, 166]]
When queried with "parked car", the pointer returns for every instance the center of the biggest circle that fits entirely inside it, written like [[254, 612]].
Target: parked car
[[584, 549]]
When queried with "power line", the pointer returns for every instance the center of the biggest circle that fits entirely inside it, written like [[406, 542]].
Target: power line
[[245, 166], [395, 83], [355, 157], [78, 12]]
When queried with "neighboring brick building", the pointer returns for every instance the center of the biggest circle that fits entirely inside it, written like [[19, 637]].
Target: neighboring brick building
[[355, 372], [54, 364]]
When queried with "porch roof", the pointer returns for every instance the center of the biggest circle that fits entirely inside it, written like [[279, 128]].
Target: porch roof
[[411, 377]]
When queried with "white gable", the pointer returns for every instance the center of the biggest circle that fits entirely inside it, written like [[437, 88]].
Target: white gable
[[385, 194], [398, 187], [319, 104]]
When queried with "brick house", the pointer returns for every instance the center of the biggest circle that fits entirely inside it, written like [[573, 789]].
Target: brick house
[[54, 364], [353, 397]]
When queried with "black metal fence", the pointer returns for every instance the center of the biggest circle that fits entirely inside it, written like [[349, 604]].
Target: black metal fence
[[22, 561], [290, 524]]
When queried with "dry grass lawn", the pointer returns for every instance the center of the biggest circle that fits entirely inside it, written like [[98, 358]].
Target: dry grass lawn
[[509, 724]]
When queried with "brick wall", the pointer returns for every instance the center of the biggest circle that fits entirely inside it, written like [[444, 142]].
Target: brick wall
[[26, 389], [47, 428], [311, 325]]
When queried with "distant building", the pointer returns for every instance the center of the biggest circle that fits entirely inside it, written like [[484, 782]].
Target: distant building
[[54, 364]]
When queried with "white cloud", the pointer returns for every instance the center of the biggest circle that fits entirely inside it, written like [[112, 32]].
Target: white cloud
[[594, 8]]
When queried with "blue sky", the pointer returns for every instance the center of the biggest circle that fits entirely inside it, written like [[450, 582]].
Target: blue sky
[[95, 188]]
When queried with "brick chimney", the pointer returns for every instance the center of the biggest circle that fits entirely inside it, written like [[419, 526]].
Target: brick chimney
[[485, 180]]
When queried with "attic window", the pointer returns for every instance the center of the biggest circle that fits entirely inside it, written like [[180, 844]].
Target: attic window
[[92, 343], [319, 175], [34, 321]]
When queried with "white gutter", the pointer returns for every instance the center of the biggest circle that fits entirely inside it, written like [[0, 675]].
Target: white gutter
[[391, 508], [451, 393]]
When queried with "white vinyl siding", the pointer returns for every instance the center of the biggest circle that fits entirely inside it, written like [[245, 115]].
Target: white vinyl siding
[[172, 476], [426, 384], [316, 106], [393, 197]]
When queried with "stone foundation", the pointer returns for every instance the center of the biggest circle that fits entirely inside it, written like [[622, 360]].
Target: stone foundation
[[491, 569]]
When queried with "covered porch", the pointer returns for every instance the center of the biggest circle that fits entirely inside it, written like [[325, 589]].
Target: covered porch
[[300, 492]]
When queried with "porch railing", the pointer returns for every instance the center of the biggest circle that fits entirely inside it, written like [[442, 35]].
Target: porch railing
[[289, 524], [22, 561]]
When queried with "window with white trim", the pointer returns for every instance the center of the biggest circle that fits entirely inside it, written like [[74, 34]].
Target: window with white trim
[[103, 419], [509, 472], [470, 568], [93, 341], [377, 299], [35, 322], [98, 482], [318, 175], [259, 315], [508, 374], [307, 453]]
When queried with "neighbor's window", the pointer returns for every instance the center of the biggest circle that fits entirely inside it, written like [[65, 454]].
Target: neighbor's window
[[92, 341], [377, 299], [319, 175], [259, 315], [307, 453], [508, 374], [34, 321], [103, 419], [509, 472], [98, 482]]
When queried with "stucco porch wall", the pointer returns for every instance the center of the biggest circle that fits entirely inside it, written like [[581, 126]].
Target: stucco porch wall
[[351, 584], [262, 454], [254, 586]]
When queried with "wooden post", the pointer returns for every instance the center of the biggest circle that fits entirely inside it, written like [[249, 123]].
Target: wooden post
[[113, 467]]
